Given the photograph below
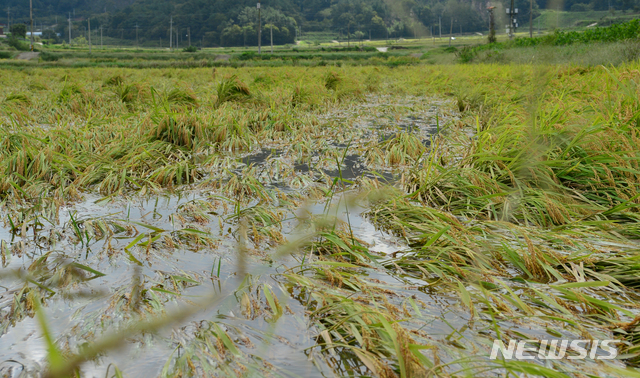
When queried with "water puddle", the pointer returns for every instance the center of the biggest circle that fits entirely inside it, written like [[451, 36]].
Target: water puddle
[[175, 249]]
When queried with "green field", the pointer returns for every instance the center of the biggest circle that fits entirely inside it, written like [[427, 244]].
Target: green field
[[615, 44], [551, 19], [406, 52], [319, 211]]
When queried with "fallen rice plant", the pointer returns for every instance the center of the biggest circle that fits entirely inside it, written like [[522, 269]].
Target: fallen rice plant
[[517, 221], [231, 88]]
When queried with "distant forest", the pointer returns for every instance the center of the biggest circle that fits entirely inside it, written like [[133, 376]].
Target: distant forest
[[234, 22]]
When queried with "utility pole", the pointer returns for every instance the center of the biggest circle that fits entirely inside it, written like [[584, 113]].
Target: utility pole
[[137, 44], [189, 32], [433, 36], [259, 29], [171, 34], [31, 17], [69, 28], [272, 39], [451, 31], [177, 38], [9, 19], [530, 18], [348, 35], [440, 25], [413, 26], [513, 23], [492, 25], [89, 25], [101, 37]]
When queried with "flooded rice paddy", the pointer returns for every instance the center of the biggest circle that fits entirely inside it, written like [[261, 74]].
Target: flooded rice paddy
[[179, 247], [313, 224]]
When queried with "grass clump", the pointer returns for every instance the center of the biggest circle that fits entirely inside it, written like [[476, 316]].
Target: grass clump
[[48, 57], [305, 95], [332, 80], [180, 97], [113, 81], [466, 54], [232, 89], [130, 93], [70, 91], [181, 130], [20, 99], [38, 86], [403, 149], [342, 88]]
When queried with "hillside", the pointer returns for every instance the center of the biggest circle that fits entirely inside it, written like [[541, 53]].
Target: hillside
[[234, 22]]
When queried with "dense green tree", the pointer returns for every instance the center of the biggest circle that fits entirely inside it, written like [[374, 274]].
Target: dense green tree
[[355, 15], [232, 36], [378, 27], [233, 22], [283, 26], [50, 35], [19, 31]]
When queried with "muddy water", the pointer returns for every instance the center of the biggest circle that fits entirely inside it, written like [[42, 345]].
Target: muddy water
[[282, 344], [215, 267]]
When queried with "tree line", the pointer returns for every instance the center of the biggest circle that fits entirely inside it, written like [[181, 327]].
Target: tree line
[[234, 22]]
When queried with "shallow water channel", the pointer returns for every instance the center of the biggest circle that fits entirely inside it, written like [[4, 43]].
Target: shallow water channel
[[184, 246]]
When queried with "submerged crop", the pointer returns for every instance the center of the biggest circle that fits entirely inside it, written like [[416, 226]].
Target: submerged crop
[[328, 222]]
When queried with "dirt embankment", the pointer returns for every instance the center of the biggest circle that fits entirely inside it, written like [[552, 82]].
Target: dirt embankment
[[28, 55]]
